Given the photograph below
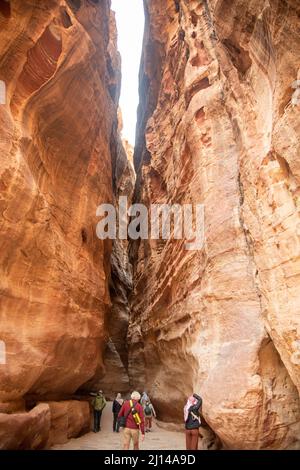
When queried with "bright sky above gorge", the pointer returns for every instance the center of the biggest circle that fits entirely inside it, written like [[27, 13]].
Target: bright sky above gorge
[[130, 24]]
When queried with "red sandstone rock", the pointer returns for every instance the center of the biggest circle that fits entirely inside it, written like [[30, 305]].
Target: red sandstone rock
[[116, 378], [27, 430], [61, 71], [55, 170], [68, 419], [12, 406], [217, 126]]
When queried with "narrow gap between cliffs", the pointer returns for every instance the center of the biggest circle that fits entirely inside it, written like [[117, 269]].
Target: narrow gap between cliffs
[[130, 32], [130, 28]]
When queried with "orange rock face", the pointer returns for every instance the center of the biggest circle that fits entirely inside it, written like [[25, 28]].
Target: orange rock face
[[219, 125], [68, 419], [25, 431], [60, 78], [116, 378]]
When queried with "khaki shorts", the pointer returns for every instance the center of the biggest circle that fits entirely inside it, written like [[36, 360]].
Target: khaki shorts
[[129, 434]]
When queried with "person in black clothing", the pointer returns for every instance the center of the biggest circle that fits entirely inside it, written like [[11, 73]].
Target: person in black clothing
[[192, 421], [117, 405]]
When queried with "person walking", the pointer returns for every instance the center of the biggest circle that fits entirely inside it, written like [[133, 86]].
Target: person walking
[[192, 421], [144, 398], [149, 412], [116, 407], [131, 418], [98, 404]]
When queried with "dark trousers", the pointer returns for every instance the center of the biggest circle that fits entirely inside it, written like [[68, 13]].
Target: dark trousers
[[191, 437], [97, 420], [116, 423]]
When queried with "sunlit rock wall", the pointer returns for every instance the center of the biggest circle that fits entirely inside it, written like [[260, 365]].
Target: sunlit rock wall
[[60, 77], [218, 124]]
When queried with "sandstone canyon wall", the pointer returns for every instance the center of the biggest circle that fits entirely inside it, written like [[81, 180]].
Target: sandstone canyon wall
[[217, 126], [116, 352], [61, 71]]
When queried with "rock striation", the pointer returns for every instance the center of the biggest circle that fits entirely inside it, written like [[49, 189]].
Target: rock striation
[[25, 431], [218, 125], [116, 379], [60, 81]]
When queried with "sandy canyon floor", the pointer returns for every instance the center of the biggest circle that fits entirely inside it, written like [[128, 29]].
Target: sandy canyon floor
[[106, 439]]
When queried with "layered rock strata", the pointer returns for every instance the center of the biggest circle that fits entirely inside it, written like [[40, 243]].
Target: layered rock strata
[[116, 379], [60, 80], [218, 125]]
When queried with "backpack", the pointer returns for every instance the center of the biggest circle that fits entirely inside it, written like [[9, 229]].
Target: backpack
[[148, 410], [99, 403]]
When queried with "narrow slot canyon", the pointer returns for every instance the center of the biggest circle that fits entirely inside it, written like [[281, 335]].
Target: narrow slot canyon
[[217, 126]]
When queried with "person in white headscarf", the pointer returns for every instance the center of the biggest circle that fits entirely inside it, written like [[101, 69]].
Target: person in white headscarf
[[192, 421], [144, 398]]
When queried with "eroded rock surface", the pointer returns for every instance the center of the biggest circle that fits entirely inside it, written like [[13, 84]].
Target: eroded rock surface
[[218, 125], [61, 76], [116, 379], [25, 431], [68, 419]]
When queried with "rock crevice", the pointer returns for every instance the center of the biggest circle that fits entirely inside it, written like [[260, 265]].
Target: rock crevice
[[218, 125]]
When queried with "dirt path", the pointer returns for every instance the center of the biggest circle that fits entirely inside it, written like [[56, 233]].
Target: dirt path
[[106, 439]]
